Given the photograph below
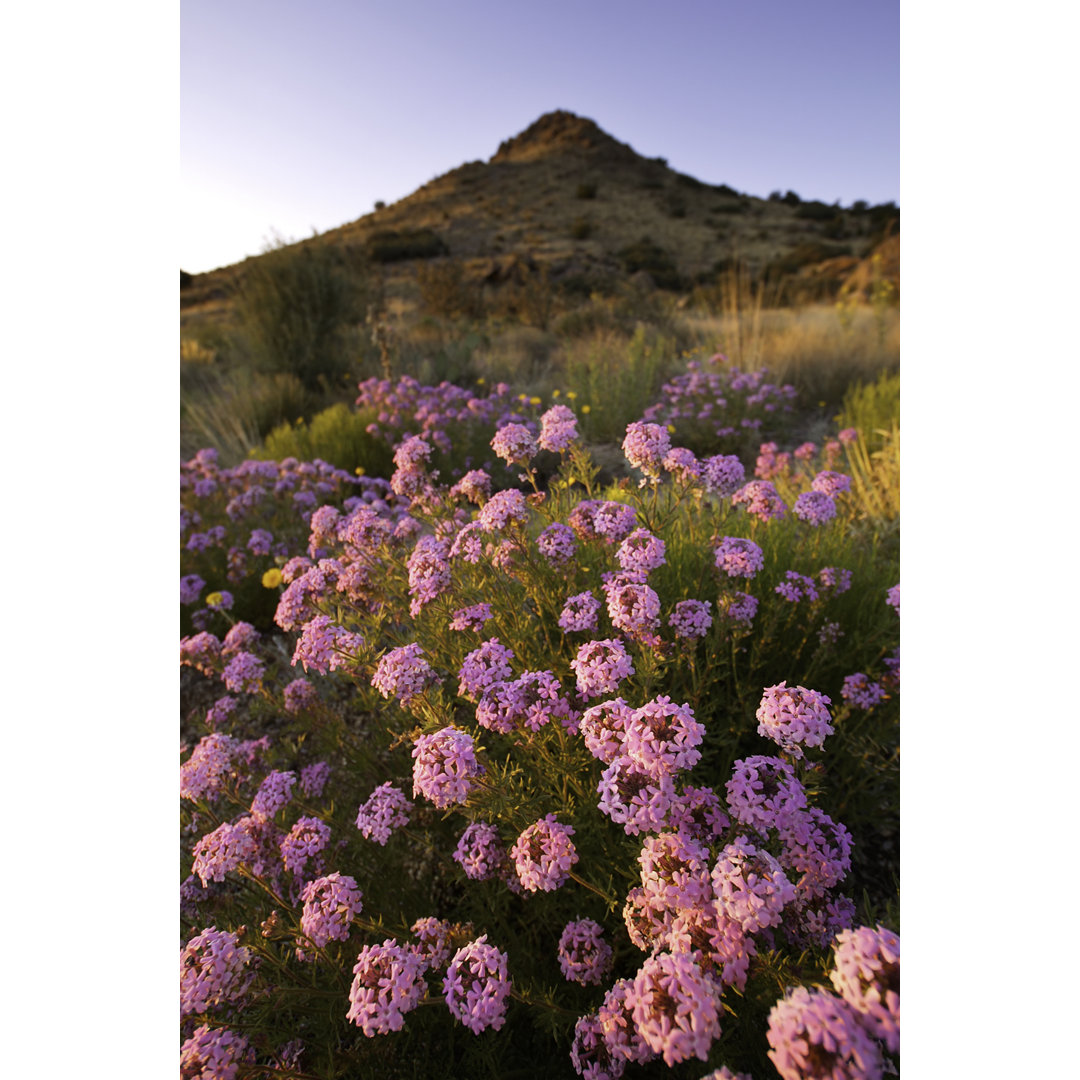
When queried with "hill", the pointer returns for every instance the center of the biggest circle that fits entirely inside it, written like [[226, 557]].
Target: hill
[[567, 202]]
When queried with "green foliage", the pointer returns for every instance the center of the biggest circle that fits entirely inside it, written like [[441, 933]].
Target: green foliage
[[617, 380], [872, 408], [805, 254], [336, 435], [296, 303], [654, 260], [816, 211], [393, 246], [586, 190]]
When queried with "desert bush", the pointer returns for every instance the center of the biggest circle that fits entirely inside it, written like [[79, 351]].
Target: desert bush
[[581, 228], [297, 304], [446, 292], [393, 246], [815, 211], [586, 190], [337, 435], [647, 255], [614, 379]]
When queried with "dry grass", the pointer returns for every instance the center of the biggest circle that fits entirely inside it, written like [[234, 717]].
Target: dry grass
[[819, 349]]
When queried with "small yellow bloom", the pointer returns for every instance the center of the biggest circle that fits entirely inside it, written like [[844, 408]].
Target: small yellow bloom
[[214, 599], [671, 429], [272, 578], [535, 401], [481, 381], [360, 470], [556, 393], [586, 409], [571, 394]]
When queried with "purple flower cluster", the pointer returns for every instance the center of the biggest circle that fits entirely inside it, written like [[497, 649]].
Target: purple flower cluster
[[386, 809], [600, 666], [691, 619], [866, 974], [274, 793], [480, 852], [191, 587], [305, 841], [444, 765], [739, 557], [579, 613], [483, 668], [584, 956], [831, 483], [205, 773], [543, 854], [661, 738], [676, 1007], [429, 572], [738, 607], [794, 717], [818, 849], [763, 793], [641, 552], [434, 935], [244, 674], [860, 691], [815, 1035], [477, 985], [557, 544], [796, 587], [471, 618], [814, 507], [388, 981], [761, 499], [323, 646], [632, 607], [558, 429], [214, 971], [515, 443], [330, 905], [646, 446], [750, 885], [300, 695], [214, 1053], [222, 851], [313, 779], [892, 598], [723, 474], [503, 509], [603, 727], [403, 673]]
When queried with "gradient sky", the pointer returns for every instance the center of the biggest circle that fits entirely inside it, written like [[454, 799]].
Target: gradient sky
[[298, 116]]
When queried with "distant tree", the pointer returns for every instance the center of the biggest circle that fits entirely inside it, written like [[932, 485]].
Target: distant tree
[[379, 204]]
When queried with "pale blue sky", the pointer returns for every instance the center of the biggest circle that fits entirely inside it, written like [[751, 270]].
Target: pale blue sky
[[299, 116]]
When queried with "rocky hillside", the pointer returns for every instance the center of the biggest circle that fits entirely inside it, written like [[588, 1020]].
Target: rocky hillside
[[566, 201]]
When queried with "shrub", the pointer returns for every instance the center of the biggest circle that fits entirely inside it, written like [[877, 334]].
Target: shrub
[[816, 211], [296, 303], [654, 260], [337, 435], [586, 190], [392, 246], [445, 291], [581, 229]]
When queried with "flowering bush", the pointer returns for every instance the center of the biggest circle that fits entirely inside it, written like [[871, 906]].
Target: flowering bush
[[645, 782]]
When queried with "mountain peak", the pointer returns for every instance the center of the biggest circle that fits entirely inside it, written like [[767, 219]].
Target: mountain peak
[[558, 132]]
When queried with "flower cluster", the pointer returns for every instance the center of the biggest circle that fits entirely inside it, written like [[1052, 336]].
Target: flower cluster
[[477, 985], [866, 975], [600, 666], [330, 905], [480, 852], [584, 956], [403, 673], [739, 557], [215, 970], [645, 447], [386, 809], [543, 854], [214, 1053], [444, 766], [305, 841], [794, 717], [388, 981]]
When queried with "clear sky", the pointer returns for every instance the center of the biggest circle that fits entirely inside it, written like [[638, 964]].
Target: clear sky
[[297, 116]]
